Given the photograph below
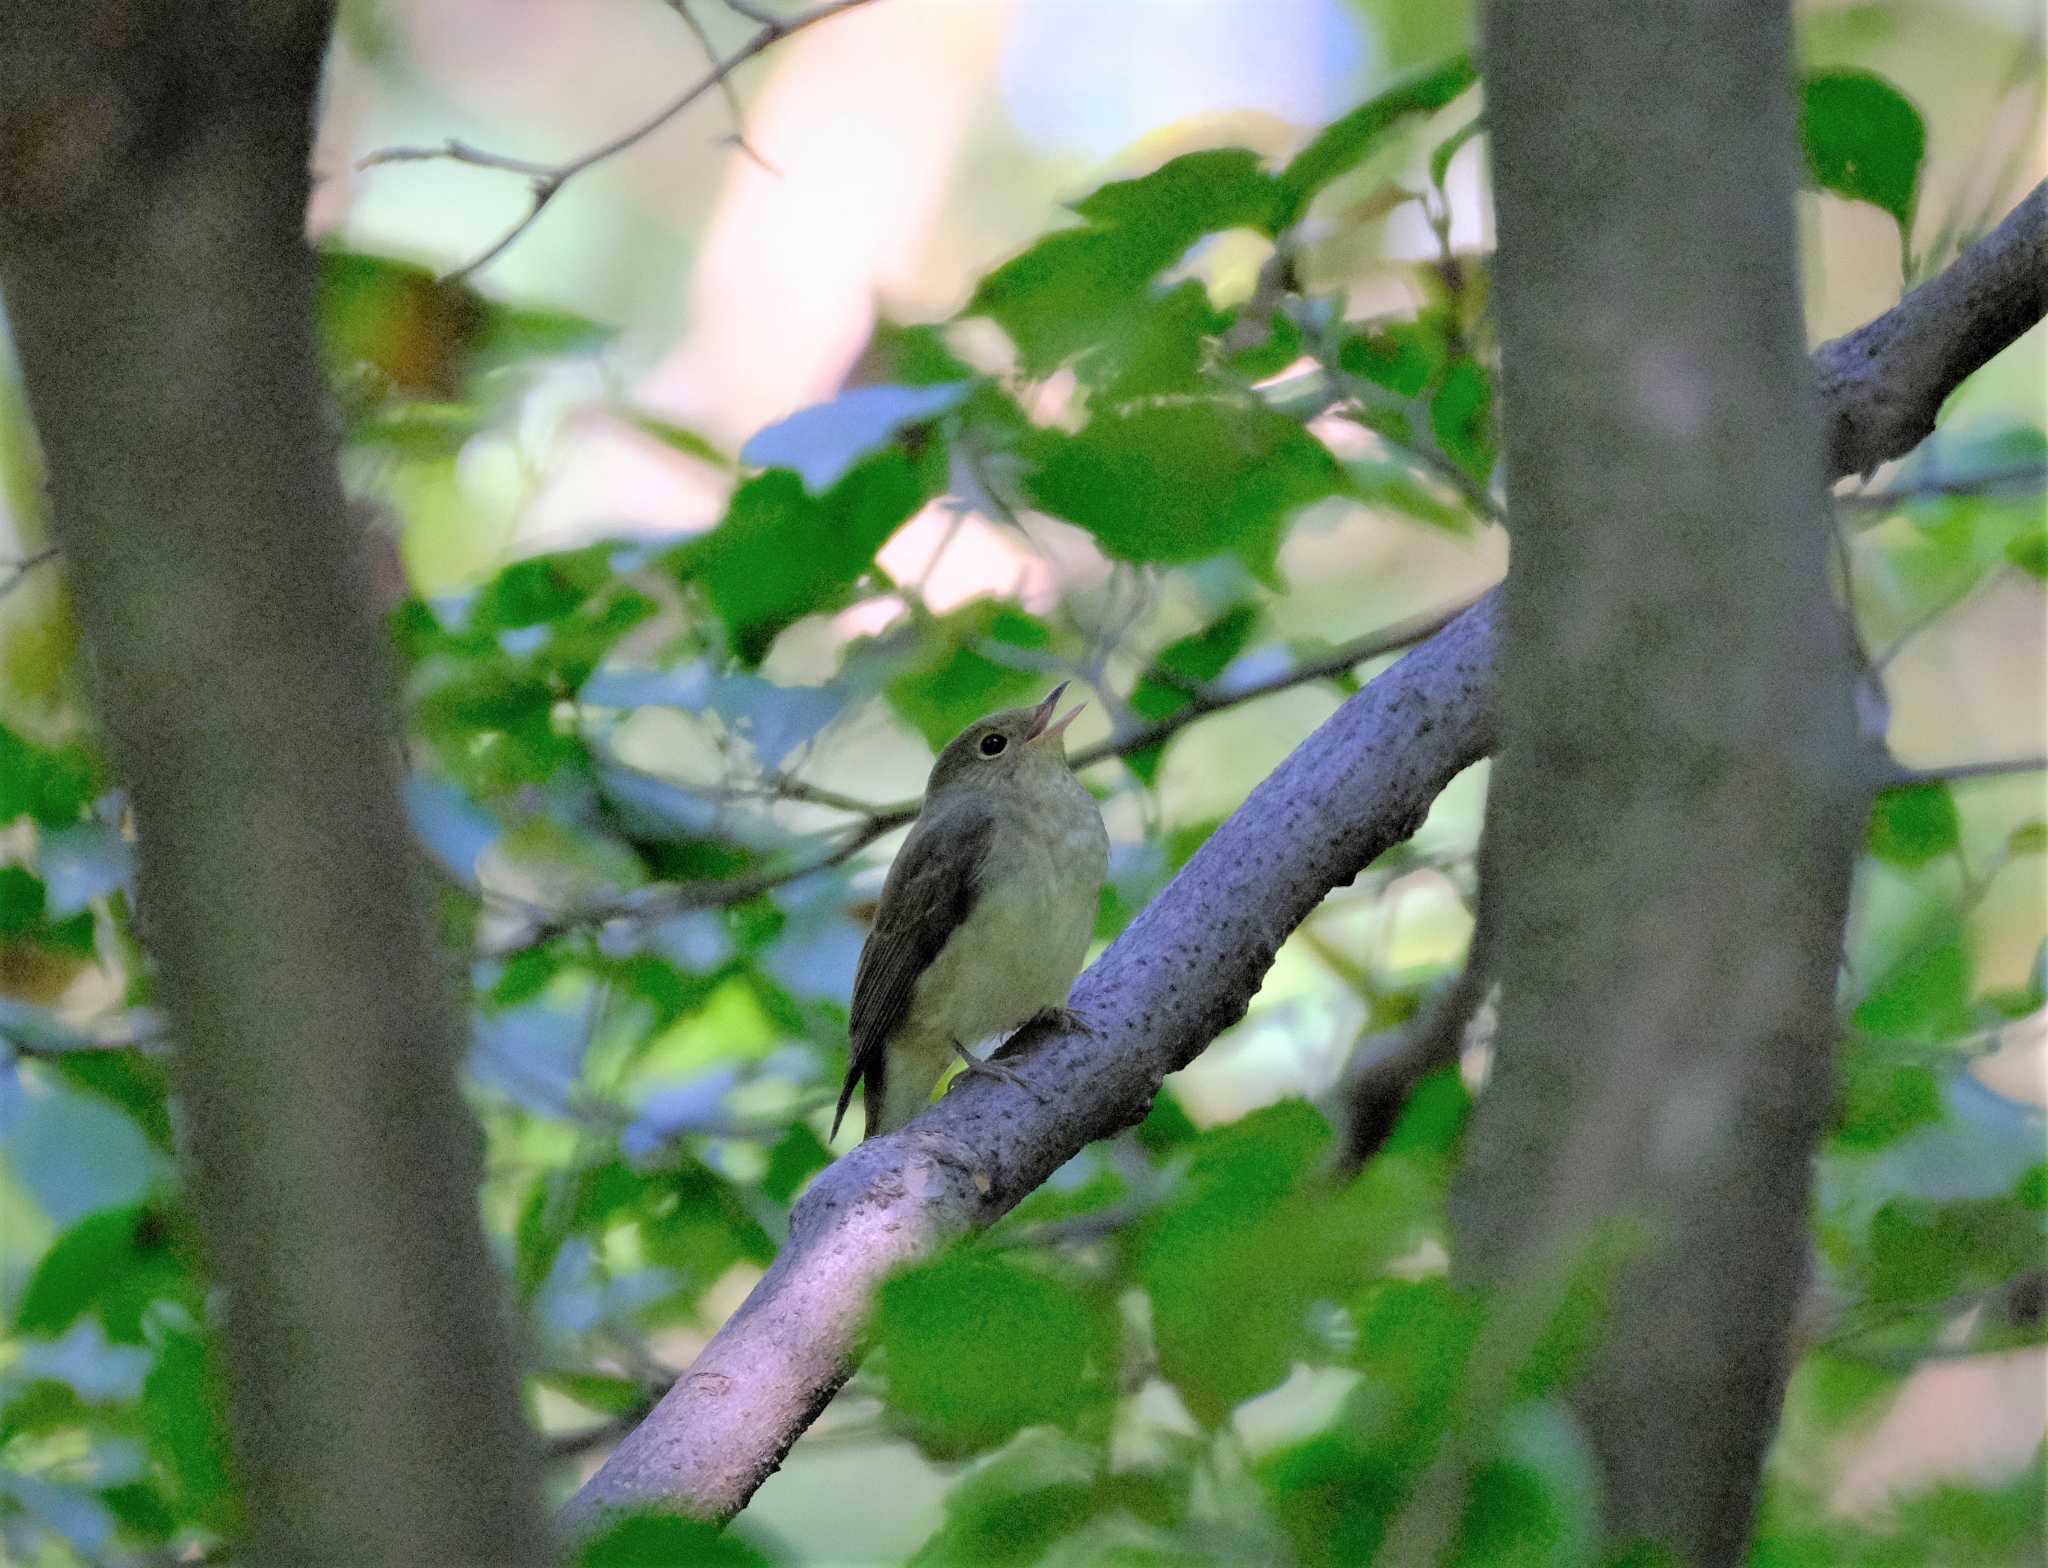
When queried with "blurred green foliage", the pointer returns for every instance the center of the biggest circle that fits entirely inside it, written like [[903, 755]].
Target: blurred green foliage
[[658, 961]]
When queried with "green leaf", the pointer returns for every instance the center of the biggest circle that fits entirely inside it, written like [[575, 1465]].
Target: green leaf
[[701, 1226], [797, 1156], [653, 1540], [1062, 294], [1929, 1252], [2029, 552], [1404, 357], [54, 785], [1008, 1512], [1881, 1102], [1913, 825], [1448, 148], [184, 1414], [1184, 482], [960, 674], [1535, 1503], [1195, 194], [1199, 658], [1155, 348], [1233, 1265], [1461, 414], [395, 321], [602, 1392], [138, 1084], [514, 333], [1345, 143], [1863, 140], [1196, 658], [679, 438], [975, 1350], [781, 553], [1398, 489], [418, 431], [542, 588], [113, 1264], [1926, 998]]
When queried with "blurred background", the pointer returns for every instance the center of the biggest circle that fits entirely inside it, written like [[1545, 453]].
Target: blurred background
[[799, 275]]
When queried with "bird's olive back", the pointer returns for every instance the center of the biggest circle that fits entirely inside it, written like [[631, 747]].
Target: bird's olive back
[[989, 751]]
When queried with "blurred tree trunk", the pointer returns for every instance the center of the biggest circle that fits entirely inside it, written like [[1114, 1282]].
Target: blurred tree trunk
[[1677, 796], [153, 185]]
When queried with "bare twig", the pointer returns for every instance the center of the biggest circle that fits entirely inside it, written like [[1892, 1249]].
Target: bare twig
[[549, 178], [17, 570], [1900, 776], [2022, 480], [738, 135]]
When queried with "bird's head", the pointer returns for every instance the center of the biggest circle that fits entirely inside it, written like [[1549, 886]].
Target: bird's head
[[1005, 749]]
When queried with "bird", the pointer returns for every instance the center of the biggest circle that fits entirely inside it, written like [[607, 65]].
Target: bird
[[985, 916]]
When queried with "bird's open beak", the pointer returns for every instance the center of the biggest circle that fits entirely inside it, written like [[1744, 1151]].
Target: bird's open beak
[[1043, 726]]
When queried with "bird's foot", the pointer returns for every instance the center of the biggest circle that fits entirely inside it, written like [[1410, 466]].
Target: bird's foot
[[1002, 1071], [1064, 1019]]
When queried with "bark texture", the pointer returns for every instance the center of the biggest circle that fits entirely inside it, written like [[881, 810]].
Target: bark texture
[[153, 185], [1679, 792]]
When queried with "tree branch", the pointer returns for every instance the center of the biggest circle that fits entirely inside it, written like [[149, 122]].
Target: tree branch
[[1183, 971], [1883, 384], [549, 178]]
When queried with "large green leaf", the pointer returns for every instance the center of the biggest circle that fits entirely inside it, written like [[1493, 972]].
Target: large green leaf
[[52, 784], [1063, 294], [112, 1264], [1182, 482], [1863, 140], [975, 1350], [782, 553]]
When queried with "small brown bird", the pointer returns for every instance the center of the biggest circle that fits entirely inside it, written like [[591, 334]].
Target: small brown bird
[[985, 916]]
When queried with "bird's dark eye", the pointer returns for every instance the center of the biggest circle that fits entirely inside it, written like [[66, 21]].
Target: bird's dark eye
[[992, 745]]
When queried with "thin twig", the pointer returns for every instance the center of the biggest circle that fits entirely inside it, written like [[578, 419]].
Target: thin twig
[[2021, 480], [18, 569], [549, 178], [1901, 776], [1390, 639], [738, 135]]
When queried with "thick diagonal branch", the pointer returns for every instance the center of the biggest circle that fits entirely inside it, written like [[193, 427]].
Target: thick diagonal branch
[[1185, 970]]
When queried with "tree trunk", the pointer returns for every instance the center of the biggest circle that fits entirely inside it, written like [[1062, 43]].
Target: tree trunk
[[1677, 796], [153, 185]]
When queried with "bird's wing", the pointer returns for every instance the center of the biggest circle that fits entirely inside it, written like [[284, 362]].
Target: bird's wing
[[930, 891]]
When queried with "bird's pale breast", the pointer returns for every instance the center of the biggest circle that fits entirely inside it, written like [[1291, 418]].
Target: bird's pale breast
[[1020, 948]]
